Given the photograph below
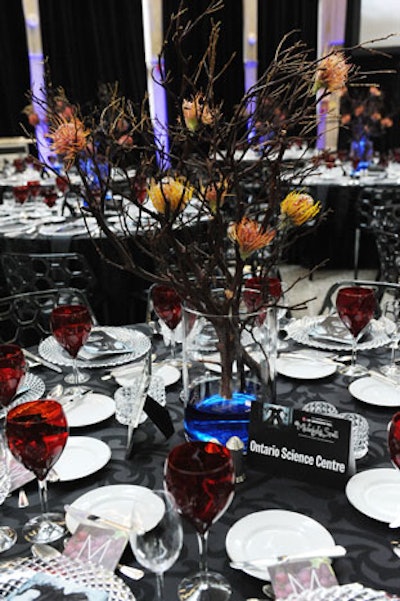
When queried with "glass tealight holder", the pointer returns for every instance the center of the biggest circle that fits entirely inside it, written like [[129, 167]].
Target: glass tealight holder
[[360, 433], [126, 399], [321, 407]]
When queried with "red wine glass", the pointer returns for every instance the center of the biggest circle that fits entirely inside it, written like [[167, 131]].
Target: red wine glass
[[71, 326], [200, 476], [21, 193], [356, 307], [34, 188], [49, 196], [394, 439], [167, 305], [12, 370], [37, 433]]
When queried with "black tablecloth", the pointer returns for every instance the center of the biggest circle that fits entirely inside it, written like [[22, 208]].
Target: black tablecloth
[[369, 558]]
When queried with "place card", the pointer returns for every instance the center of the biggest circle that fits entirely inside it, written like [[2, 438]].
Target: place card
[[101, 545], [294, 577], [299, 444]]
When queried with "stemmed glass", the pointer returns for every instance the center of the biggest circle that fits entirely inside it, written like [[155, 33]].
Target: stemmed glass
[[71, 326], [37, 432], [355, 306], [167, 305], [12, 370], [8, 536], [394, 439], [392, 312], [21, 193], [200, 476], [156, 546]]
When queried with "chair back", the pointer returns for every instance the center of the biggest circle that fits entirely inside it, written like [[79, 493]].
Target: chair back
[[25, 317], [328, 304], [41, 271]]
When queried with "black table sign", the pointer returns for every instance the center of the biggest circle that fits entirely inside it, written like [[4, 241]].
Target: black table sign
[[298, 444]]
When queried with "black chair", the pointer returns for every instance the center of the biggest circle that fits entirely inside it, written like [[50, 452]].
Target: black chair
[[25, 317], [46, 271], [328, 304], [371, 209]]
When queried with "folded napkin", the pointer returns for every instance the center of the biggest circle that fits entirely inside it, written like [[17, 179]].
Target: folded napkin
[[334, 330], [101, 343]]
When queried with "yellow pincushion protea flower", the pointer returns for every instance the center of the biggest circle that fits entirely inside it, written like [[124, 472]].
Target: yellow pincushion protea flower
[[297, 208], [69, 138], [169, 195], [250, 236], [332, 72]]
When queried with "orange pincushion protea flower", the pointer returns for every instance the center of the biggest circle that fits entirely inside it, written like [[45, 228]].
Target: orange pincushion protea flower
[[297, 208], [170, 194], [332, 72], [69, 138], [196, 111], [250, 236], [214, 193]]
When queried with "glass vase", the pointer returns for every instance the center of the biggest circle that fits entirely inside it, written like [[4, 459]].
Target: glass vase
[[228, 363]]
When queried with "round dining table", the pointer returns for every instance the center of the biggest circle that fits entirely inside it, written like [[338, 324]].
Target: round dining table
[[370, 559]]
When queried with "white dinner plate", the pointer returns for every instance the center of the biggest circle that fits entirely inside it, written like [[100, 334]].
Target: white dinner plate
[[116, 503], [376, 493], [82, 456], [375, 392], [301, 331], [169, 373], [93, 408], [123, 375], [274, 532], [303, 369], [140, 344]]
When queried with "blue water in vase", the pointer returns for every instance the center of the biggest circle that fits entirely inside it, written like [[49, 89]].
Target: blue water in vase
[[215, 417]]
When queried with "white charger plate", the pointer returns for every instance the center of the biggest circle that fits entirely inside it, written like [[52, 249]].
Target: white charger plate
[[17, 571], [92, 409], [376, 493], [300, 329], [82, 456], [375, 392], [271, 533], [35, 389], [50, 350], [116, 503], [303, 369]]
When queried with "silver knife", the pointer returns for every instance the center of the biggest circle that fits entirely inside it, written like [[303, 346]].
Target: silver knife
[[43, 361], [81, 515]]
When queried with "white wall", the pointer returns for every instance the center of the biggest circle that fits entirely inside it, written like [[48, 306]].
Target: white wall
[[378, 19]]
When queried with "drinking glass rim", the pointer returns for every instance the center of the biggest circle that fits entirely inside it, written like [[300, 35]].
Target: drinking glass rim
[[228, 459], [73, 309], [17, 410]]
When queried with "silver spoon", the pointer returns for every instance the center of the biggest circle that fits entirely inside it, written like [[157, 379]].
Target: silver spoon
[[47, 553]]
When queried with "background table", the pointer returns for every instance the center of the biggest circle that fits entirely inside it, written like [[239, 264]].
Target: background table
[[369, 558]]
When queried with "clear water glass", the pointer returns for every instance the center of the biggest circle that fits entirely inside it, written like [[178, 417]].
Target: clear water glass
[[8, 536], [157, 544]]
